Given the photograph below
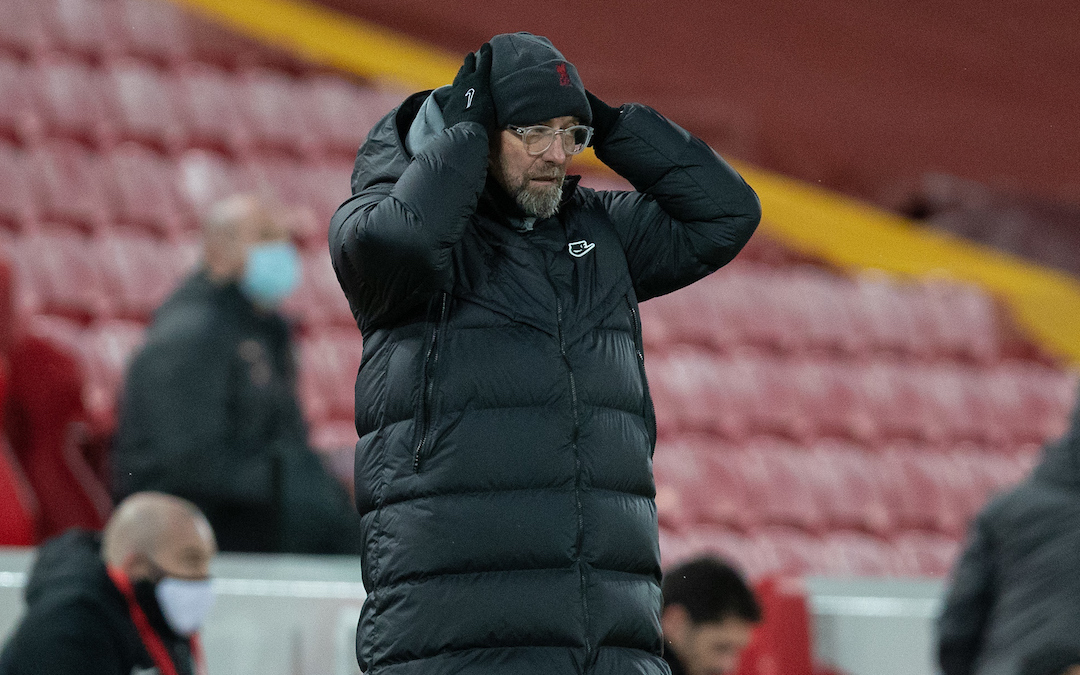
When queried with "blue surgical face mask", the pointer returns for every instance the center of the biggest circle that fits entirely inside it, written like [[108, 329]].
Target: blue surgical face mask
[[271, 273]]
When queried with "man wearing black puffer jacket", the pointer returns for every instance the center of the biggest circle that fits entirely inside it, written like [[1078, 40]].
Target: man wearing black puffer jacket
[[503, 472]]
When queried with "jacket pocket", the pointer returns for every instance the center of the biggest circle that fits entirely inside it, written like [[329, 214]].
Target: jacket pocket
[[647, 410], [425, 410]]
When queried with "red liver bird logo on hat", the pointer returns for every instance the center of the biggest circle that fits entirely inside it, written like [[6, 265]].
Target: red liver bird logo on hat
[[564, 77]]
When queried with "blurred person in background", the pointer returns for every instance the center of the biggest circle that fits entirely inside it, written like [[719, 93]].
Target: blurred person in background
[[209, 410], [503, 470], [1016, 586], [128, 601], [709, 615]]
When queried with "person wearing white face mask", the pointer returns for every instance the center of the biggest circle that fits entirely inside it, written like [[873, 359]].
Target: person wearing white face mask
[[128, 601], [209, 410]]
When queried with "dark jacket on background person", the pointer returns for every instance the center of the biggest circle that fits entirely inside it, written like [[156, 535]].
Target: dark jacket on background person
[[1016, 587], [78, 623], [503, 471], [673, 662], [209, 413]]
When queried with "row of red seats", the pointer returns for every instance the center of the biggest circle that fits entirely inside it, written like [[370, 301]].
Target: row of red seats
[[829, 485], [20, 509], [736, 395], [328, 363], [809, 309], [783, 550], [127, 276], [194, 105], [131, 187], [103, 29]]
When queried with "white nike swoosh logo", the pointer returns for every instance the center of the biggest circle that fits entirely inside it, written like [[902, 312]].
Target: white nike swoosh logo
[[580, 248]]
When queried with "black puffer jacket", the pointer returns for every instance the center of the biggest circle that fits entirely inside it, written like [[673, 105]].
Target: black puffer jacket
[[506, 432], [1016, 588]]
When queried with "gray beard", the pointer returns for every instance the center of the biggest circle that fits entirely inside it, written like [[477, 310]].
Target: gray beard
[[540, 202]]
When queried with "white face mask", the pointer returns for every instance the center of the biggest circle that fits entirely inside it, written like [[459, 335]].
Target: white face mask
[[184, 603]]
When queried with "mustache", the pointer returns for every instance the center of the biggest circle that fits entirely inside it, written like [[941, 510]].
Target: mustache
[[554, 174]]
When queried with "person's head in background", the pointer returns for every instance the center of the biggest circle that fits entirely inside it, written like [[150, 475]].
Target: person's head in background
[[248, 241], [1052, 660], [709, 614], [163, 546]]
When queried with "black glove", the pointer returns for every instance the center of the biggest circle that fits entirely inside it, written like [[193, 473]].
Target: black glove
[[604, 118], [470, 94]]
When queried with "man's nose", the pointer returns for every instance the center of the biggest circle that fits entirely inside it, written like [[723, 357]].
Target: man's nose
[[555, 153]]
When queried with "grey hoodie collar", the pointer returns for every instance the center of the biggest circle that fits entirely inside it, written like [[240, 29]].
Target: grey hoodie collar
[[427, 124]]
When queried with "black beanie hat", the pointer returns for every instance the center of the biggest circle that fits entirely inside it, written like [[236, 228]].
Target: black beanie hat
[[531, 82]]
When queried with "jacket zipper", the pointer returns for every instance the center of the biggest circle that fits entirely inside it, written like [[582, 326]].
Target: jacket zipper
[[579, 544], [646, 403], [431, 358]]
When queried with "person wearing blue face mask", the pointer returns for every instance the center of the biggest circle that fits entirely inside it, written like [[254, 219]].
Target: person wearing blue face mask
[[130, 600], [209, 410]]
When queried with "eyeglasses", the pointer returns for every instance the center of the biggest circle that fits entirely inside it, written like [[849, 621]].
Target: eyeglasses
[[537, 139]]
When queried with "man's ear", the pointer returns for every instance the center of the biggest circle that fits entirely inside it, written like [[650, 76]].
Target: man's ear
[[675, 623]]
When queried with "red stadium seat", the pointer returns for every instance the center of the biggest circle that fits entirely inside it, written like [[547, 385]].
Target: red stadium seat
[[695, 391], [155, 29], [70, 99], [329, 362], [815, 303], [138, 273], [142, 191], [49, 420], [926, 554], [59, 277], [69, 185], [208, 109], [796, 552], [831, 397], [861, 555], [849, 489], [276, 110], [17, 201], [886, 316], [19, 526], [342, 113], [1046, 398], [106, 352], [319, 301], [142, 104], [785, 483], [328, 188], [674, 548], [743, 552], [19, 120], [22, 28], [290, 184], [689, 491], [207, 177], [89, 28], [929, 490], [962, 320]]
